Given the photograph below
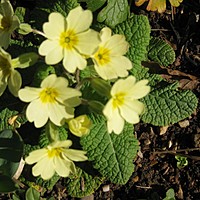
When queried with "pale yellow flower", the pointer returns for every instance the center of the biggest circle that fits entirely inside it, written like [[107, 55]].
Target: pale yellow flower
[[8, 23], [109, 61], [56, 157], [158, 5], [80, 125], [54, 101], [124, 104], [8, 75], [69, 39]]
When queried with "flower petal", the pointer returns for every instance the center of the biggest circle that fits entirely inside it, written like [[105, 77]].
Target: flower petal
[[49, 81], [130, 110], [73, 60], [140, 89], [29, 94], [45, 168], [62, 167], [14, 82], [5, 39], [75, 155], [105, 34], [57, 113], [15, 24], [123, 85], [117, 45], [35, 156], [56, 25], [79, 20], [87, 42], [37, 112], [6, 8]]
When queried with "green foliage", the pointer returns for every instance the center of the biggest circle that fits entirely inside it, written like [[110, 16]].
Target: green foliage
[[137, 32], [112, 155], [5, 115], [32, 194], [11, 150], [82, 184], [161, 52], [170, 195], [94, 5], [115, 12], [41, 73], [181, 161], [7, 184], [141, 72], [20, 12], [167, 105]]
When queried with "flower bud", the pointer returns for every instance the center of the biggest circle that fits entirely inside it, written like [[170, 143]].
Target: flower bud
[[80, 125]]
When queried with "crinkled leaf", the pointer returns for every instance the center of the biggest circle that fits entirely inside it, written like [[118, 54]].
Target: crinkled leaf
[[168, 105], [64, 7], [141, 72], [41, 73], [32, 194], [44, 140], [114, 13], [112, 155], [137, 32], [94, 5], [161, 52], [39, 15], [5, 115], [20, 12], [82, 184]]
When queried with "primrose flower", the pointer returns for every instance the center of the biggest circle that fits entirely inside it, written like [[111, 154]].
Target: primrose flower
[[8, 22], [160, 5], [80, 125], [8, 75], [124, 104], [69, 39], [56, 157], [54, 101], [109, 61]]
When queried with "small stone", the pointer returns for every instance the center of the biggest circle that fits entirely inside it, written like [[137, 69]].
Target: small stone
[[106, 188]]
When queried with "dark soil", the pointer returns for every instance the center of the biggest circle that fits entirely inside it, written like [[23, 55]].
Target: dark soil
[[156, 167]]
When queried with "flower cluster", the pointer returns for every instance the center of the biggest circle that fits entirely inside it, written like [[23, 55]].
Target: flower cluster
[[160, 6], [71, 41]]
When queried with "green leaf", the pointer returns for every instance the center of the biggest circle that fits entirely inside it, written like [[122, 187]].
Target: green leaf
[[64, 7], [41, 73], [161, 52], [168, 105], [7, 184], [82, 184], [112, 155], [137, 32], [170, 195], [114, 13], [32, 194], [5, 115], [94, 5], [141, 72], [47, 183], [11, 150], [39, 15], [20, 12]]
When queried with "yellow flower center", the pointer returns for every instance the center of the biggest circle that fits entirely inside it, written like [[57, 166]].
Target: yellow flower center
[[118, 100], [102, 56], [68, 39], [54, 152], [48, 95], [5, 23]]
